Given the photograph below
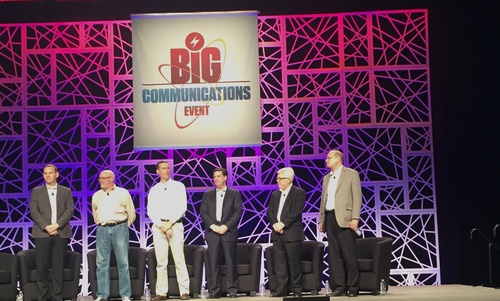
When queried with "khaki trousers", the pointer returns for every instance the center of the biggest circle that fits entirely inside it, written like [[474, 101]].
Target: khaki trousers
[[162, 244]]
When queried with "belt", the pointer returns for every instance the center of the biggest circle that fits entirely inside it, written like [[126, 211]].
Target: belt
[[330, 211], [112, 224], [177, 221]]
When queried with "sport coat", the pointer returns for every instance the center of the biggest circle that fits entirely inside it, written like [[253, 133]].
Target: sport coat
[[291, 214], [41, 212], [231, 214], [347, 197]]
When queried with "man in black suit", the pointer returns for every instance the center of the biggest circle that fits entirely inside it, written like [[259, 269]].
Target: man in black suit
[[220, 211], [51, 208], [285, 216]]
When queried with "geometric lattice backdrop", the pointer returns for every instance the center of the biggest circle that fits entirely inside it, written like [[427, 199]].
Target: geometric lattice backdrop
[[354, 81]]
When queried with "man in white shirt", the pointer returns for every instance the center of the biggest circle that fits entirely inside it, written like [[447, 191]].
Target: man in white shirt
[[167, 204]]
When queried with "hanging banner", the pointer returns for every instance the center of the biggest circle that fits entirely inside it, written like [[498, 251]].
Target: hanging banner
[[196, 80]]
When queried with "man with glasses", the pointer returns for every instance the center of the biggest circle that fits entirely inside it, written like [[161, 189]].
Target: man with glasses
[[338, 216], [113, 212], [285, 217]]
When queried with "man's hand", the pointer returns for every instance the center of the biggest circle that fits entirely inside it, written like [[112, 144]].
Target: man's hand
[[223, 229], [320, 227], [166, 225], [170, 232], [215, 228], [278, 227], [353, 224], [219, 229], [52, 229]]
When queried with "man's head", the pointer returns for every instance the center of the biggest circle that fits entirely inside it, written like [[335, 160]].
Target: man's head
[[285, 177], [220, 177], [50, 174], [163, 170], [334, 160], [107, 179]]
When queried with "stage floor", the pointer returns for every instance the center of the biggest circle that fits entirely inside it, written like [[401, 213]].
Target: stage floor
[[450, 292]]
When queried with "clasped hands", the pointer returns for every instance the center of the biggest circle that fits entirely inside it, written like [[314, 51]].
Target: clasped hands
[[52, 229], [166, 228], [279, 227], [219, 229]]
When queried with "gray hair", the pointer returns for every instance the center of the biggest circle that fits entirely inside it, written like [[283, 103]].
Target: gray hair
[[287, 172]]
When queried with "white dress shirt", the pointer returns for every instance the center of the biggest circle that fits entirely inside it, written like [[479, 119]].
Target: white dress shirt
[[167, 201], [332, 188], [284, 194], [53, 203], [220, 193]]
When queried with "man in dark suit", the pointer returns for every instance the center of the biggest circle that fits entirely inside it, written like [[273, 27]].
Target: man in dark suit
[[51, 208], [285, 216], [339, 215], [220, 211]]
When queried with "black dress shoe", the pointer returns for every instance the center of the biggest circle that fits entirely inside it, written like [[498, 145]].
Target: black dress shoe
[[214, 296], [276, 294], [339, 292], [233, 295], [297, 295], [352, 294]]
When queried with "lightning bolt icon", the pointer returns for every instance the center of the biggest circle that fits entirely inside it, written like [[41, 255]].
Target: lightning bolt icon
[[194, 41]]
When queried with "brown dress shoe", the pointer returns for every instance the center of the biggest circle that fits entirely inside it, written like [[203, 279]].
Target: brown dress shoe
[[184, 297], [159, 298]]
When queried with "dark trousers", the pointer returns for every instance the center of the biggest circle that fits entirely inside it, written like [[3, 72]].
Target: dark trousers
[[288, 265], [217, 251], [47, 250], [342, 255]]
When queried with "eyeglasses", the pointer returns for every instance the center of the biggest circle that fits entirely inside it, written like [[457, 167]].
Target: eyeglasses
[[279, 179], [102, 178], [328, 158]]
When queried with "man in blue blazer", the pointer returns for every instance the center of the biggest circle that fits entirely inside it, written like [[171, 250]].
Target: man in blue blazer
[[51, 208], [285, 217], [339, 216], [220, 211]]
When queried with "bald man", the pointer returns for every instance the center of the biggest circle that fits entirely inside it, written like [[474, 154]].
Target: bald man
[[339, 215], [113, 212]]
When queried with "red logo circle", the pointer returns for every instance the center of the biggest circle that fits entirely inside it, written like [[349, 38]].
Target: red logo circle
[[194, 41]]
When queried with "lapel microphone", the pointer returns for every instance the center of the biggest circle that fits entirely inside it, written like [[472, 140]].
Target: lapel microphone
[[52, 193], [107, 193]]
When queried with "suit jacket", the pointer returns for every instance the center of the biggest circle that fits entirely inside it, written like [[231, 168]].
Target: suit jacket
[[41, 212], [291, 215], [347, 197], [231, 214]]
